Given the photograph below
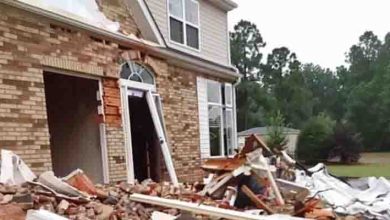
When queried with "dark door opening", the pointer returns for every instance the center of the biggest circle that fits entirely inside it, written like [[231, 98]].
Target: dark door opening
[[74, 125], [145, 144]]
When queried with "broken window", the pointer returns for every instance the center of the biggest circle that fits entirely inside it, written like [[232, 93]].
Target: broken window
[[184, 22], [221, 124]]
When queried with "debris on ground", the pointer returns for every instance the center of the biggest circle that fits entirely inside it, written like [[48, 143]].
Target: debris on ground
[[257, 183]]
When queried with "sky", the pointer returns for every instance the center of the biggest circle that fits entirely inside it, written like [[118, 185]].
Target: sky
[[318, 31]]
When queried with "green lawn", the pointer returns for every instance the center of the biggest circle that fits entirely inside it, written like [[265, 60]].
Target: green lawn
[[363, 170], [372, 164]]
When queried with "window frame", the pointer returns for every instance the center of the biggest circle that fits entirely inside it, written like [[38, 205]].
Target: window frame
[[184, 26], [135, 84], [223, 109], [220, 107]]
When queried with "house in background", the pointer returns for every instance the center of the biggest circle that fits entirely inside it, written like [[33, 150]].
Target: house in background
[[123, 89], [291, 135]]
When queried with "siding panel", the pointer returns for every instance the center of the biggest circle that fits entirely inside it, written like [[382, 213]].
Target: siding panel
[[213, 30]]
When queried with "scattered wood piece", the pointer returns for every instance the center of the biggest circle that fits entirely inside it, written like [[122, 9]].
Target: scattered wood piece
[[220, 184], [258, 202]]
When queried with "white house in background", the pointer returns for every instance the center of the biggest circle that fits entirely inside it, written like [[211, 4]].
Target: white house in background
[[291, 134]]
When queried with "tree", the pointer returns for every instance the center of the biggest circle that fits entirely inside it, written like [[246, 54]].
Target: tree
[[345, 143], [367, 90], [276, 139], [282, 77], [314, 140], [245, 43], [253, 104], [324, 88]]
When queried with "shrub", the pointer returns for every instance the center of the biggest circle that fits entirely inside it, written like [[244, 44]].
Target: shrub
[[346, 143], [276, 139], [314, 139]]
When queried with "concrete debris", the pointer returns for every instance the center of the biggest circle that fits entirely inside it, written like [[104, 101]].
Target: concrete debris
[[247, 186]]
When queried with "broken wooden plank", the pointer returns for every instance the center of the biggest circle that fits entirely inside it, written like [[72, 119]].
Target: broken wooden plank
[[258, 202], [220, 184], [204, 209]]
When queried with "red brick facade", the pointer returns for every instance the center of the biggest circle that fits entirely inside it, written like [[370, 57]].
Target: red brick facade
[[30, 44]]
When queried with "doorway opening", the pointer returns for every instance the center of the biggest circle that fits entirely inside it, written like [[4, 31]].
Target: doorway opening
[[74, 125], [145, 143]]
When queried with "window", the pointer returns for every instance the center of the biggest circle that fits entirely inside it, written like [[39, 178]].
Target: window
[[220, 113], [184, 22], [136, 72]]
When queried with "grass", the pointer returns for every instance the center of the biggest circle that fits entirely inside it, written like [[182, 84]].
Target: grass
[[371, 164], [361, 170]]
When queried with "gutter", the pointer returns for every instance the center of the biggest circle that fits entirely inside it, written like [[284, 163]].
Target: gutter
[[172, 57]]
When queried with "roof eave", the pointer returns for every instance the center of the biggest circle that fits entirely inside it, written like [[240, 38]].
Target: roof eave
[[227, 5], [209, 68]]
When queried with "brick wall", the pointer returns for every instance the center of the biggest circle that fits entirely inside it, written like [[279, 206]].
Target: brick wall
[[178, 90], [30, 43]]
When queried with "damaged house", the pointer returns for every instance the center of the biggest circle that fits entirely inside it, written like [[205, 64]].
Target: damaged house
[[122, 89]]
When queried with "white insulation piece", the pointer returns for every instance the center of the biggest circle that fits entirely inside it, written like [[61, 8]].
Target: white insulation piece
[[86, 11]]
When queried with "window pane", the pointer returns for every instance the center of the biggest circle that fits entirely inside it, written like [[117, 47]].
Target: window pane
[[228, 123], [176, 30], [192, 37], [228, 95], [135, 77], [125, 72], [213, 92], [215, 130], [176, 8], [192, 12], [146, 76]]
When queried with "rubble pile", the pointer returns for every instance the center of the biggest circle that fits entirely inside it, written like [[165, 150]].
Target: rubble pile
[[104, 202], [257, 183]]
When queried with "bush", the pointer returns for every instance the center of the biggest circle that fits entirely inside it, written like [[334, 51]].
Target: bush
[[314, 140], [346, 143], [276, 139]]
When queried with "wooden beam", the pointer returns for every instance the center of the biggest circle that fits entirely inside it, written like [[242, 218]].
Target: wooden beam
[[258, 202]]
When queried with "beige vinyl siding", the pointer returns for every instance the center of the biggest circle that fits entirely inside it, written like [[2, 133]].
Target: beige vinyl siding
[[213, 24], [213, 30], [159, 12]]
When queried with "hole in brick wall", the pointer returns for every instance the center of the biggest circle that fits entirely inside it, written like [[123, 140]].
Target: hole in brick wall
[[122, 47], [96, 39], [74, 125], [61, 28]]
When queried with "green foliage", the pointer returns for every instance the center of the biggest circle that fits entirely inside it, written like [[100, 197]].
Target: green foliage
[[314, 139], [276, 139], [359, 93], [253, 103], [245, 43], [367, 91]]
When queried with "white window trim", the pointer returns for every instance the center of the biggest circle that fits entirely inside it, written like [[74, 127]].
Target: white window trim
[[222, 124], [231, 95], [183, 20]]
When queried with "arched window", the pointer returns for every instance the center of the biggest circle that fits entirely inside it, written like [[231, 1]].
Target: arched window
[[136, 72]]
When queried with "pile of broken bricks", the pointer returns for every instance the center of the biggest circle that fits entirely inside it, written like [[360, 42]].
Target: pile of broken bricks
[[254, 184]]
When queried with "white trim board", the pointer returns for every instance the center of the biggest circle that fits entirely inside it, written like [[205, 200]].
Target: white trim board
[[206, 210], [125, 86]]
